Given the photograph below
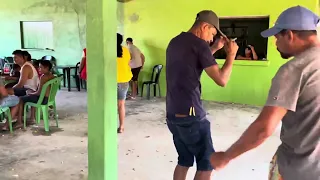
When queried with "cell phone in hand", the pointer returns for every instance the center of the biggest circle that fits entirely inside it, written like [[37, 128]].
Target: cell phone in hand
[[233, 39]]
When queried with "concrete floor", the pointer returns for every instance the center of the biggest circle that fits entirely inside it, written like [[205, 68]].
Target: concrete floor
[[146, 151]]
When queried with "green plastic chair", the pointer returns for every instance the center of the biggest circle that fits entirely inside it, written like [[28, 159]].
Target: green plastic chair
[[54, 87], [7, 111]]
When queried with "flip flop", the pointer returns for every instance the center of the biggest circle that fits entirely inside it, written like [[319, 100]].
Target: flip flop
[[30, 123], [131, 98], [4, 128], [18, 126], [120, 130]]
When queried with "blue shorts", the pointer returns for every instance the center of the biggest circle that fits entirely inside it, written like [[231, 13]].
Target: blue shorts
[[192, 139], [122, 90], [9, 101]]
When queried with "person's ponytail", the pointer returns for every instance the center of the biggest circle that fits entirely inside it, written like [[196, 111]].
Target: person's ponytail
[[119, 47]]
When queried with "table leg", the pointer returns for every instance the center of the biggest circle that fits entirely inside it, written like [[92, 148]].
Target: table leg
[[68, 77], [64, 77]]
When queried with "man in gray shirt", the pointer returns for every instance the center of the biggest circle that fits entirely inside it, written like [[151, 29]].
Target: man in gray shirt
[[294, 98]]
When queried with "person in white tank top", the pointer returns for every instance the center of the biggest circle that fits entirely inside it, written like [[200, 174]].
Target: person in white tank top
[[29, 79], [136, 64]]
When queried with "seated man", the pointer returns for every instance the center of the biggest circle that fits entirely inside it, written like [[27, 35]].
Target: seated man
[[45, 69], [29, 79]]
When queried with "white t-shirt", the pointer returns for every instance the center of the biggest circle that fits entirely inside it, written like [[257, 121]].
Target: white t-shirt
[[135, 53]]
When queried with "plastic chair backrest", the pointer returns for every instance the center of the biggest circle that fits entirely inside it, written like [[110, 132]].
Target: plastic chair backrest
[[156, 73], [77, 69], [50, 58], [9, 59], [2, 62], [53, 84]]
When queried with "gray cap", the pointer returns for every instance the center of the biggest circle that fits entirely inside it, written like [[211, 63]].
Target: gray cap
[[211, 18], [295, 18]]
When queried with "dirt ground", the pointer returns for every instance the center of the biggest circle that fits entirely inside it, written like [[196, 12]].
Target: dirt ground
[[145, 150]]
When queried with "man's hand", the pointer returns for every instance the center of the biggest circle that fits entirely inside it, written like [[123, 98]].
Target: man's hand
[[231, 48], [219, 160], [218, 44], [251, 47]]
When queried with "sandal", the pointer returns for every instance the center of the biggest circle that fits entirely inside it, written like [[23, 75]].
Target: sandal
[[5, 128], [120, 130], [30, 122], [18, 126], [131, 98]]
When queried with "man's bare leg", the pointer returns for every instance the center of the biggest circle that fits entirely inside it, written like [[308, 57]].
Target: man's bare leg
[[134, 89], [180, 173], [19, 123], [203, 175]]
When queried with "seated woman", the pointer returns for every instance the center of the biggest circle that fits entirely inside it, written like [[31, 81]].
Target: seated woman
[[248, 54], [46, 75], [10, 101]]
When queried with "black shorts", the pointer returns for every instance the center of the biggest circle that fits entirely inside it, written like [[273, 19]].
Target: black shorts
[[20, 91], [10, 85], [135, 73], [33, 99], [192, 139]]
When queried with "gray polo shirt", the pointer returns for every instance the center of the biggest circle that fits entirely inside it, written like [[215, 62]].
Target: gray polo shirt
[[296, 87]]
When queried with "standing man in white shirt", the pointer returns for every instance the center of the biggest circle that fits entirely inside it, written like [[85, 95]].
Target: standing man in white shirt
[[136, 64]]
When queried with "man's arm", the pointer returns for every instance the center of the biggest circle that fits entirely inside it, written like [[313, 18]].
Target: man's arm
[[222, 76], [43, 80], [23, 77], [258, 131], [283, 97], [142, 59]]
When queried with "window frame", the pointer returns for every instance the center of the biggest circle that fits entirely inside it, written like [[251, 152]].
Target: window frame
[[240, 62], [23, 35]]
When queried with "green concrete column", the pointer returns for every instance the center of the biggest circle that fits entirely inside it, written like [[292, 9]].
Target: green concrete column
[[102, 101]]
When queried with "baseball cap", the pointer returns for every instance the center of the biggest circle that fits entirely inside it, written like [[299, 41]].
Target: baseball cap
[[211, 18], [294, 18]]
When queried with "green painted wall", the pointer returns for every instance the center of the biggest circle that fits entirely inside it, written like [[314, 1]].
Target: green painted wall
[[68, 27], [153, 23]]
